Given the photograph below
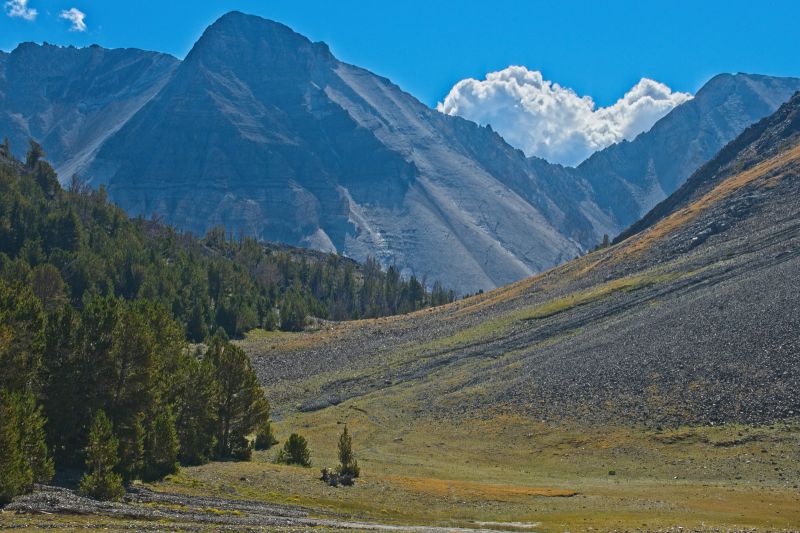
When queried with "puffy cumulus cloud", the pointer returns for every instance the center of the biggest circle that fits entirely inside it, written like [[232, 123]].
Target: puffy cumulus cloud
[[20, 9], [75, 16], [550, 121]]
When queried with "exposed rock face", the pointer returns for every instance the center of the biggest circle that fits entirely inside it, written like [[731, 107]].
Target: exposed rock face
[[630, 178], [267, 133]]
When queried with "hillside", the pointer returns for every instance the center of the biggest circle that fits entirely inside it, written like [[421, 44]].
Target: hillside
[[691, 320], [267, 133]]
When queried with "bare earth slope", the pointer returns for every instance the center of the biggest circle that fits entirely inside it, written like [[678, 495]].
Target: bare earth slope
[[693, 320]]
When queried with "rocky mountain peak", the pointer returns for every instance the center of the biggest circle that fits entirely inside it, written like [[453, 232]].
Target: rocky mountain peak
[[237, 39]]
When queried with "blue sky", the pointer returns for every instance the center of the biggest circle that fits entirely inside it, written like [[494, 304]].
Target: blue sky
[[597, 48]]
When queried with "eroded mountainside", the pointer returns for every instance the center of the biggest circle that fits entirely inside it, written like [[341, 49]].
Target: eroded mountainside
[[692, 319]]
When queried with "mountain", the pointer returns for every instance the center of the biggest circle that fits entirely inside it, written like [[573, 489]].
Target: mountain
[[690, 319], [268, 134], [265, 132], [72, 99], [629, 178]]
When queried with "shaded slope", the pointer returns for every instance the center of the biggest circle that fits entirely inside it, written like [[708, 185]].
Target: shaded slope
[[692, 320], [768, 136], [72, 99]]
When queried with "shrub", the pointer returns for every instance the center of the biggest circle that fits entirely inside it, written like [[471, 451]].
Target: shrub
[[295, 451]]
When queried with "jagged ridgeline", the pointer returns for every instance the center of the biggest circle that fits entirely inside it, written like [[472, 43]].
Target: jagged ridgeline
[[95, 313]]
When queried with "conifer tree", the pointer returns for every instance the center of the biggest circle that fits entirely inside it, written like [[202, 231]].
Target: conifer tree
[[265, 439], [32, 438], [100, 481], [295, 451], [348, 466], [241, 405], [162, 447], [197, 411], [15, 475], [21, 340]]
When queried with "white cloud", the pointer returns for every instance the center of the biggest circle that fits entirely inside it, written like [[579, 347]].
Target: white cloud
[[553, 122], [75, 16], [19, 8]]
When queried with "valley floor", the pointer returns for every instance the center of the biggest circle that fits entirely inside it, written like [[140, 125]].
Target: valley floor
[[499, 473]]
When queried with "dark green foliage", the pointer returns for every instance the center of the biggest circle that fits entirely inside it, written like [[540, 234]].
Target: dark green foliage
[[604, 244], [196, 410], [295, 451], [293, 313], [348, 466], [15, 477], [21, 340], [100, 481], [32, 438], [241, 405], [265, 439], [24, 458], [161, 447], [209, 284]]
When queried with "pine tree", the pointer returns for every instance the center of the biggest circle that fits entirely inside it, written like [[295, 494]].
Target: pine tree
[[293, 312], [133, 355], [32, 438], [100, 481], [241, 405], [21, 340], [197, 405], [162, 447], [265, 439], [35, 153], [5, 148], [15, 475], [295, 451], [348, 466]]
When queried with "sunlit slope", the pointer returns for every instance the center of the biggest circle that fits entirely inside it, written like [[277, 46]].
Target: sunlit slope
[[695, 318]]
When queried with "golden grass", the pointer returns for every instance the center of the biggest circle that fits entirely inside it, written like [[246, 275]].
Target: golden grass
[[507, 468]]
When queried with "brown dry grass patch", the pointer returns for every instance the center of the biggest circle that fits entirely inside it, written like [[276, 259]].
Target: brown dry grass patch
[[472, 489]]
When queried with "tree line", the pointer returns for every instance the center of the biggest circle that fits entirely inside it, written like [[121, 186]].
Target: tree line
[[73, 242]]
